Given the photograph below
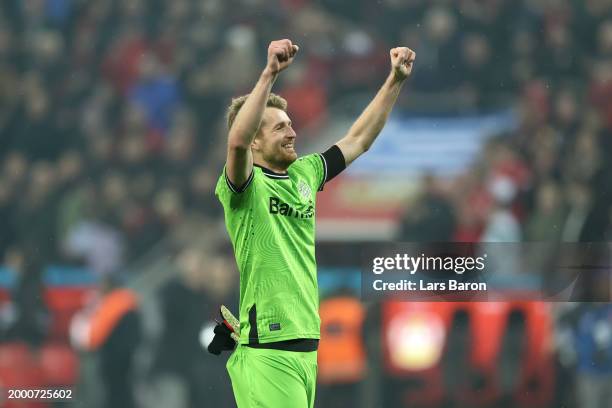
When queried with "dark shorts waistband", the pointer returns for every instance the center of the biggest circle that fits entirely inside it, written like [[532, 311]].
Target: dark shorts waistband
[[301, 345]]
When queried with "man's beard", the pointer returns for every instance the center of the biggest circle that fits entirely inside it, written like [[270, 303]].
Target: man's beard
[[282, 157]]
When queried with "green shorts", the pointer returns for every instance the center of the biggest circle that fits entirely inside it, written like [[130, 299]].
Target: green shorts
[[273, 378]]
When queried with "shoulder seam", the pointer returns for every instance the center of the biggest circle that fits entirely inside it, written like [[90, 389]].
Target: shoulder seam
[[324, 172], [244, 187]]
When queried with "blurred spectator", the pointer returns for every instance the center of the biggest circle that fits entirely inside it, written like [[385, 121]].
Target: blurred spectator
[[469, 227], [15, 169], [306, 97], [31, 221], [189, 303], [479, 78], [544, 152], [439, 52], [566, 112], [502, 225], [201, 183], [567, 316], [431, 218], [111, 326], [6, 210], [124, 55], [26, 317], [341, 356], [156, 92], [100, 244], [593, 340], [580, 202], [543, 230], [472, 202], [545, 222], [116, 357]]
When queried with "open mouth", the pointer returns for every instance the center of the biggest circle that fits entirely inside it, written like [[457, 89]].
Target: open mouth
[[289, 146]]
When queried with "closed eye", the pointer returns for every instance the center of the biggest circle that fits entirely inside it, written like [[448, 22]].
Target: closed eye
[[281, 125]]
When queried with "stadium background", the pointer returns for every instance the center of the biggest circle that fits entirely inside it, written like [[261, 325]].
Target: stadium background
[[112, 138]]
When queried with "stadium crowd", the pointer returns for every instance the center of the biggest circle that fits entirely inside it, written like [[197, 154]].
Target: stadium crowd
[[112, 112], [112, 130]]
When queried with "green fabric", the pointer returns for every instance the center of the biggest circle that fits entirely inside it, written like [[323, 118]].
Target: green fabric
[[273, 378], [272, 227]]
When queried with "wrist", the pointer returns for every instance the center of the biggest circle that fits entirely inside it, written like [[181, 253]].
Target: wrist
[[269, 73], [396, 78]]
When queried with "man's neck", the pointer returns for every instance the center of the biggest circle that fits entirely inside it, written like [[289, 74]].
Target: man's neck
[[270, 166]]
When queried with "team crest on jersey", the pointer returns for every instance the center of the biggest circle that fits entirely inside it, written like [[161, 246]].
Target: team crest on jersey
[[304, 190]]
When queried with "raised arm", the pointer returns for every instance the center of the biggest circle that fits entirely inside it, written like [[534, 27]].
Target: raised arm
[[239, 162], [363, 132]]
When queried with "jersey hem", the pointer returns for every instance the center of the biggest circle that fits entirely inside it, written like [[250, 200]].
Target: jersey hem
[[264, 340]]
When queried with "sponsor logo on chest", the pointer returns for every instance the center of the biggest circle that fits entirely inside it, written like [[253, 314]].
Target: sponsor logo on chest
[[279, 207], [303, 207]]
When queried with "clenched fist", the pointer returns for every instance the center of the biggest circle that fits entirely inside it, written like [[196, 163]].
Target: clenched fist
[[280, 55], [402, 59]]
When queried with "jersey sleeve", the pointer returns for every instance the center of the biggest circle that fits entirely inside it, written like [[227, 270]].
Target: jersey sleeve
[[314, 165], [334, 161], [232, 197]]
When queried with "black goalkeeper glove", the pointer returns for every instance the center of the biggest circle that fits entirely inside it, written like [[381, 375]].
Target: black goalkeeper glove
[[225, 333], [222, 340]]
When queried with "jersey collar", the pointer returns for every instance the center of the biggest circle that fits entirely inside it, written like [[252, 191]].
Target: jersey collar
[[272, 174]]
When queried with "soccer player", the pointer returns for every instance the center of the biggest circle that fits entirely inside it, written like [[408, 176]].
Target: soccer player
[[268, 196]]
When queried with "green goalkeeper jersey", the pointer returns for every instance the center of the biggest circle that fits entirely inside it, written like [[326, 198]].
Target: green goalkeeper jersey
[[271, 223]]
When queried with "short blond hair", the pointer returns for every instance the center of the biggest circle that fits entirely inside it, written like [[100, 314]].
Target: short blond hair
[[274, 101]]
